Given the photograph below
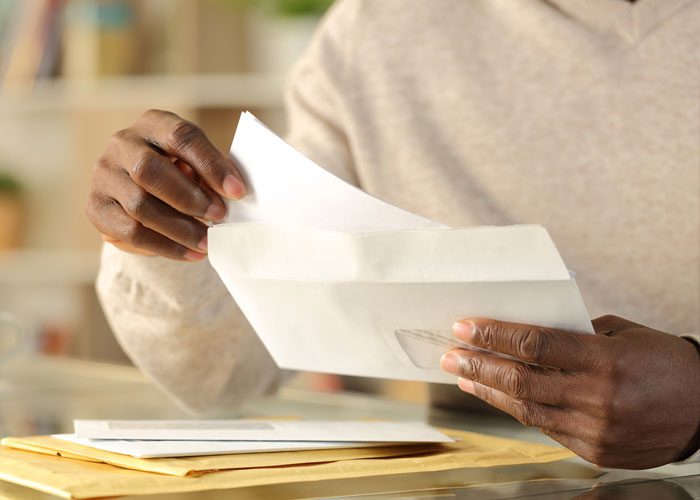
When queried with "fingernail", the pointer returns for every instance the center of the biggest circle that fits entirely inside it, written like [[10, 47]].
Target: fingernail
[[450, 363], [194, 256], [466, 385], [215, 212], [233, 187], [203, 244], [464, 330]]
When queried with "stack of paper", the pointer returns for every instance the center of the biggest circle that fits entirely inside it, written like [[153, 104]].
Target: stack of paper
[[73, 470], [181, 438], [334, 280], [157, 445]]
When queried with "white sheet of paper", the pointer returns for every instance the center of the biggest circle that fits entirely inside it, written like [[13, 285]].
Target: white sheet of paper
[[168, 448], [287, 187], [261, 430], [327, 275]]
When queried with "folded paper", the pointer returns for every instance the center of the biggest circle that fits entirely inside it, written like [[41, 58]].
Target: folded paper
[[329, 276]]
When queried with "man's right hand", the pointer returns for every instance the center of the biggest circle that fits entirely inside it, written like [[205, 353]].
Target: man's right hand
[[156, 183]]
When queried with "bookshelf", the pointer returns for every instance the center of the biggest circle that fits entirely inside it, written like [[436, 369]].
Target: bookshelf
[[226, 90], [81, 70]]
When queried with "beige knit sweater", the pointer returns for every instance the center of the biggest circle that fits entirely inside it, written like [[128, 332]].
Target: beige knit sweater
[[581, 115]]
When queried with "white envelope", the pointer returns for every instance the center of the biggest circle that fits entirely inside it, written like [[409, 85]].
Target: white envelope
[[168, 448], [261, 430], [334, 280]]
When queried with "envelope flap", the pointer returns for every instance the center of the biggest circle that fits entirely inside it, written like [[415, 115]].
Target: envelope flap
[[302, 253]]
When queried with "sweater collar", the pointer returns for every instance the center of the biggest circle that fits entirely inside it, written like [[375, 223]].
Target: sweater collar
[[630, 20]]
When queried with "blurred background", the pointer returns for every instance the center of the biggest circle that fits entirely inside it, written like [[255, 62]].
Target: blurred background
[[73, 72]]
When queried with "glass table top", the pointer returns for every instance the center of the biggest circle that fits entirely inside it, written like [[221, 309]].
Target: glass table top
[[44, 395]]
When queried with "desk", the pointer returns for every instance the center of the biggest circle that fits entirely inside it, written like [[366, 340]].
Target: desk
[[44, 395]]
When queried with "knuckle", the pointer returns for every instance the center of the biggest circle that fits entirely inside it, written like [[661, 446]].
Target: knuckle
[[183, 134], [153, 116], [211, 166], [194, 232], [120, 141], [618, 367], [612, 409], [190, 199], [531, 345], [134, 233], [486, 335], [93, 206], [522, 411], [154, 113], [101, 165], [515, 381], [121, 136], [139, 205], [147, 169], [472, 368]]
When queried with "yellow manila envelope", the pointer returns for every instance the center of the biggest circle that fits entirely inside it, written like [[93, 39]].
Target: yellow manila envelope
[[71, 478], [186, 466]]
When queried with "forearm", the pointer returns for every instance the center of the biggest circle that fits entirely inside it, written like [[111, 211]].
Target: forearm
[[179, 325]]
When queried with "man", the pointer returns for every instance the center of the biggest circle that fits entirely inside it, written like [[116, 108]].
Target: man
[[582, 116]]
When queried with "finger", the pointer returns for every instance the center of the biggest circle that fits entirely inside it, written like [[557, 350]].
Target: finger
[[110, 219], [126, 247], [156, 215], [140, 164], [184, 140], [517, 380], [609, 323], [532, 344], [529, 413]]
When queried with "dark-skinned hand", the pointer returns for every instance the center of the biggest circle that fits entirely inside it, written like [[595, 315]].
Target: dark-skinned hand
[[626, 397], [157, 183]]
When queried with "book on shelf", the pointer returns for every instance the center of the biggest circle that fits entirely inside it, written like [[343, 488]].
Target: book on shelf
[[30, 40]]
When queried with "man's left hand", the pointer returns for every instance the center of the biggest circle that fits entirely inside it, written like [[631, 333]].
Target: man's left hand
[[626, 397]]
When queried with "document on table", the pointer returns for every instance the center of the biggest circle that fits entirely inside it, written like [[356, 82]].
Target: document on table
[[140, 448], [334, 280], [33, 462], [251, 431]]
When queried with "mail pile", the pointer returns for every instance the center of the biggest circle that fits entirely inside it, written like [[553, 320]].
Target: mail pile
[[106, 464]]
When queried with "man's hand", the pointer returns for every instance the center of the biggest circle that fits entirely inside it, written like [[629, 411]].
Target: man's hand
[[626, 397], [155, 184]]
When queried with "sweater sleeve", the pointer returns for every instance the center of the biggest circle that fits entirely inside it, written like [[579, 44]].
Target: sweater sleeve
[[179, 325], [176, 321]]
